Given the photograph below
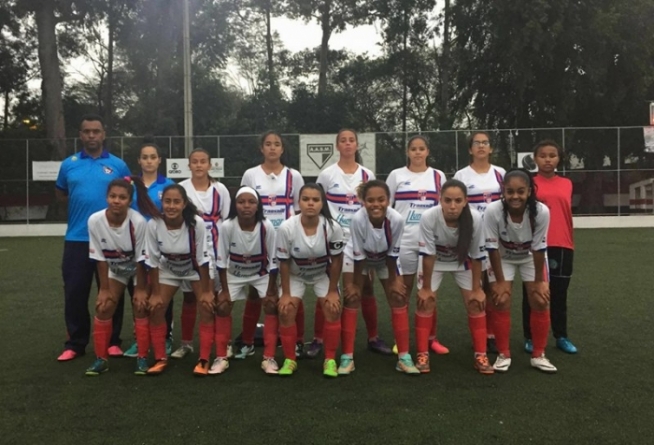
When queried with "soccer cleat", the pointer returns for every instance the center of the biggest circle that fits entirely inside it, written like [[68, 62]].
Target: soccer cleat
[[115, 351], [169, 346], [491, 345], [378, 345], [67, 355], [299, 350], [201, 368], [314, 349], [99, 366], [132, 351], [141, 366], [184, 350], [405, 365], [270, 366], [502, 363], [438, 348], [395, 349], [245, 351], [329, 368], [288, 368], [422, 362], [219, 365], [158, 367], [543, 364], [565, 345], [482, 365], [529, 346], [347, 365]]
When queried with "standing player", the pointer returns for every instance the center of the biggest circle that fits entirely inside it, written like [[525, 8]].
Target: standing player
[[516, 229], [176, 252], [149, 160], [279, 188], [213, 201], [375, 238], [340, 182], [556, 193], [246, 257], [117, 244], [414, 189], [309, 249], [82, 183], [452, 240], [484, 181]]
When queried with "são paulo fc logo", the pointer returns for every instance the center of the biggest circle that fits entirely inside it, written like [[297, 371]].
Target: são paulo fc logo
[[107, 170], [246, 259], [488, 197], [320, 153], [422, 194], [272, 200], [350, 198]]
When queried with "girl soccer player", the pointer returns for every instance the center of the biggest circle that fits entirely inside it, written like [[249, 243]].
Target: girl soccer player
[[176, 253], [484, 181], [149, 160], [309, 250], [452, 240], [556, 193], [414, 189], [376, 235], [213, 201], [279, 188], [516, 229], [340, 182], [117, 244], [246, 256]]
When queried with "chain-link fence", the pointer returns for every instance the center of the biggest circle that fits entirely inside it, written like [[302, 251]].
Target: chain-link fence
[[602, 163]]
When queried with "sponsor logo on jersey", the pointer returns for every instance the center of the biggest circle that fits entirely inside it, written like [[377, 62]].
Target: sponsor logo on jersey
[[333, 186], [232, 244], [407, 183], [343, 221], [296, 249], [320, 153], [174, 168], [413, 217], [107, 170], [428, 205], [471, 186], [258, 187], [103, 240]]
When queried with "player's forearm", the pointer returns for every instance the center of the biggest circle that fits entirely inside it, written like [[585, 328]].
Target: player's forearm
[[428, 262], [496, 264], [103, 274], [335, 272], [285, 273], [539, 265]]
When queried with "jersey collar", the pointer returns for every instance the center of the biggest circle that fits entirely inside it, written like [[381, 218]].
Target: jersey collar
[[83, 154]]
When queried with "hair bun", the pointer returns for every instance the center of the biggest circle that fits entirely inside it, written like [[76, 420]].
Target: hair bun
[[148, 139]]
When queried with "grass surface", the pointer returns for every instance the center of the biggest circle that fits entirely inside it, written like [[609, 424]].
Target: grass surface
[[601, 395]]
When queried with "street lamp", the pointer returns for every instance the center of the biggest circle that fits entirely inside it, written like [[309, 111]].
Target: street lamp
[[188, 97]]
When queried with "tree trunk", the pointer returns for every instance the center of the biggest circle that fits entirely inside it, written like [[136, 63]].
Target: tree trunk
[[445, 69], [325, 24], [109, 95], [269, 47], [51, 86]]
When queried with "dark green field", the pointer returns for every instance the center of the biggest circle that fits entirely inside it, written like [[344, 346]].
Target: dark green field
[[602, 395]]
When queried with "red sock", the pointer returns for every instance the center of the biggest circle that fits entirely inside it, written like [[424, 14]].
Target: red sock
[[502, 328], [369, 311], [423, 326], [270, 332], [319, 322], [348, 330], [540, 327], [158, 340], [250, 319], [189, 312], [299, 322], [223, 332], [101, 336], [432, 332], [477, 326], [489, 321], [401, 329], [142, 328], [206, 340], [289, 336], [332, 337]]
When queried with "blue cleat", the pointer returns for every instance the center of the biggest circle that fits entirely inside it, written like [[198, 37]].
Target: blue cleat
[[529, 346], [566, 345]]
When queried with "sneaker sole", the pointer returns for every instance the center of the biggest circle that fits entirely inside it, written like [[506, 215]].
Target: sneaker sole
[[330, 376], [94, 374], [216, 372], [140, 372], [545, 371], [484, 371], [345, 371], [500, 369]]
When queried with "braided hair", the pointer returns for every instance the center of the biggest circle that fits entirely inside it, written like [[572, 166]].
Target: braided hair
[[532, 200]]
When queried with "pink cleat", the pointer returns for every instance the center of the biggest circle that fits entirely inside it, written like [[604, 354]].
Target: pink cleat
[[68, 354], [115, 351], [438, 348]]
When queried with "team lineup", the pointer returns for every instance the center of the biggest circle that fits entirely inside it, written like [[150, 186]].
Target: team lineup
[[279, 236]]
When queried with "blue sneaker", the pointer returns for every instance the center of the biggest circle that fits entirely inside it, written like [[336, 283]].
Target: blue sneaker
[[141, 366], [169, 346], [405, 365], [98, 367], [566, 345], [347, 365], [529, 346], [132, 351]]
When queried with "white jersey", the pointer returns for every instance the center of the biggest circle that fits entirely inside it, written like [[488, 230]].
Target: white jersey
[[120, 247], [375, 245], [246, 254], [483, 188], [439, 240], [178, 253], [280, 194], [412, 194], [516, 241], [310, 254], [213, 204], [341, 192]]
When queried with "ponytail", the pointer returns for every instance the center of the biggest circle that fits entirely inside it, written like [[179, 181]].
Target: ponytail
[[190, 211], [465, 221], [143, 201], [532, 199]]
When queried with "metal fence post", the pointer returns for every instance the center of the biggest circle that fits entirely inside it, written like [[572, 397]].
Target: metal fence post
[[456, 148], [122, 148], [170, 147], [564, 150], [218, 146], [27, 180], [619, 176]]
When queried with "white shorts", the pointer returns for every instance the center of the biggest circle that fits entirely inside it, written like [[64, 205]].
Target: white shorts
[[121, 278], [381, 270], [176, 282], [463, 279], [527, 271], [299, 286], [238, 286], [408, 260], [186, 286]]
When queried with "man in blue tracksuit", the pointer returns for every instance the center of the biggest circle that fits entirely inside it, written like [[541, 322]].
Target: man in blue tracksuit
[[82, 183]]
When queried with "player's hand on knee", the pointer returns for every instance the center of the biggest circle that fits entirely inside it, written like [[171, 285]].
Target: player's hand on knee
[[286, 305], [140, 300], [207, 301], [426, 299], [155, 302], [332, 304]]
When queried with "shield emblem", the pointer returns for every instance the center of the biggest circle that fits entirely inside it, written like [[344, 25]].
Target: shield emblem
[[246, 259], [488, 197], [350, 198], [320, 153], [422, 194], [272, 200]]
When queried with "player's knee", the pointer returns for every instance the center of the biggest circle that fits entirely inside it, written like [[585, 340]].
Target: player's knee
[[270, 306], [224, 308], [352, 301]]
